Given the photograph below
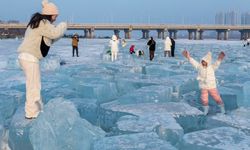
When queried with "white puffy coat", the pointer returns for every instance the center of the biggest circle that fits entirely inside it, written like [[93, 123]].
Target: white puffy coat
[[32, 39], [167, 44], [206, 75], [114, 45]]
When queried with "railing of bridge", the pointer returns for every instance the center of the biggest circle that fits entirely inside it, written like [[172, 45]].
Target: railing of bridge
[[104, 26], [195, 31]]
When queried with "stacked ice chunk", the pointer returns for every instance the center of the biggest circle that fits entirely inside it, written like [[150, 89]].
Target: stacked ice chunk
[[158, 117], [59, 126], [223, 138]]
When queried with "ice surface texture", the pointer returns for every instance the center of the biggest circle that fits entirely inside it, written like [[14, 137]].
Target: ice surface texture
[[223, 138], [126, 98], [141, 141]]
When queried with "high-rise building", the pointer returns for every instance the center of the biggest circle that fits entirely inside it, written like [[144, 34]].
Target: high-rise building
[[228, 18], [219, 18], [245, 18], [231, 18]]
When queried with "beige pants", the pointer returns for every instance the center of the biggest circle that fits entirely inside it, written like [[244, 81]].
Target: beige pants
[[33, 104], [114, 55]]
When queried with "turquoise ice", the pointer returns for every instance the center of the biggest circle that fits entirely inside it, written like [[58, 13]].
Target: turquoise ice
[[91, 103]]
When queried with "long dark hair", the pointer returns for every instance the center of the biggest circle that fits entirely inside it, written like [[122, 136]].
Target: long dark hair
[[36, 18]]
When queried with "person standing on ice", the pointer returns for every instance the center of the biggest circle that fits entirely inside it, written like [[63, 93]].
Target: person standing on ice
[[151, 43], [75, 41], [172, 47], [167, 47], [39, 36], [206, 78], [114, 42]]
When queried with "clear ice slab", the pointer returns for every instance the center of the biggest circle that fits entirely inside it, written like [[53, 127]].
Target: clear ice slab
[[238, 118], [59, 126], [222, 138], [190, 118], [139, 141]]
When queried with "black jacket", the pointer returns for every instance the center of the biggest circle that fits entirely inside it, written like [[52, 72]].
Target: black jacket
[[173, 44], [151, 44]]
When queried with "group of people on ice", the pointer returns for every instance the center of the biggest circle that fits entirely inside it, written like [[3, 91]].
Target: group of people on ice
[[206, 70], [137, 52], [41, 34], [114, 48], [169, 47]]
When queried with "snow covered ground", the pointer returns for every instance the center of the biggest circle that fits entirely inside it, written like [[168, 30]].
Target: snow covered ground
[[132, 103]]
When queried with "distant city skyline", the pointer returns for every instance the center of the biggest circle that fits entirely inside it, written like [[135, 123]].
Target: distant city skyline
[[227, 18], [117, 11], [232, 18]]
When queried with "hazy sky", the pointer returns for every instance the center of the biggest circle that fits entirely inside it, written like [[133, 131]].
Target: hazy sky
[[126, 11]]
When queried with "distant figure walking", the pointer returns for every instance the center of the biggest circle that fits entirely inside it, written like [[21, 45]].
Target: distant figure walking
[[132, 49], [151, 43], [75, 41], [39, 36], [172, 47], [206, 78], [167, 47], [114, 47]]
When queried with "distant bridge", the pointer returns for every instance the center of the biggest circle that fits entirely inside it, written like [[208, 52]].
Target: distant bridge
[[194, 31]]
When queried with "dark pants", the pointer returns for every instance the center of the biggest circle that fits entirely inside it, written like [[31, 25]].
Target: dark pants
[[73, 52], [172, 52], [151, 54]]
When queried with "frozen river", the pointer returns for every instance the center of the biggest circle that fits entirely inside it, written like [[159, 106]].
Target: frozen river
[[132, 103]]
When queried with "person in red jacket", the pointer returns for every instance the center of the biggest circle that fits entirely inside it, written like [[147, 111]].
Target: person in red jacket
[[132, 49]]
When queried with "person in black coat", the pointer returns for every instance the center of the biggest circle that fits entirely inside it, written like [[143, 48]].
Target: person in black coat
[[172, 47], [151, 43]]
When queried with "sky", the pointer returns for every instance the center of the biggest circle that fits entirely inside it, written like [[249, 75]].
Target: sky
[[126, 11]]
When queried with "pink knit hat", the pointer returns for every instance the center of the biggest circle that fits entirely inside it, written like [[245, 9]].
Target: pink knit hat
[[49, 8]]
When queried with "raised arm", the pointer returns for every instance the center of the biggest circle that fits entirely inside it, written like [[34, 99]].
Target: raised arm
[[194, 63], [218, 61], [54, 32]]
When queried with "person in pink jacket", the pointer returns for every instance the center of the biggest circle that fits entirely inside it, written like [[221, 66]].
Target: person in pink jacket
[[206, 78], [39, 36]]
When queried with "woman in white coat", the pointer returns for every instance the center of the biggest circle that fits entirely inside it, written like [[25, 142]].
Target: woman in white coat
[[167, 47], [206, 78], [39, 36], [114, 42]]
